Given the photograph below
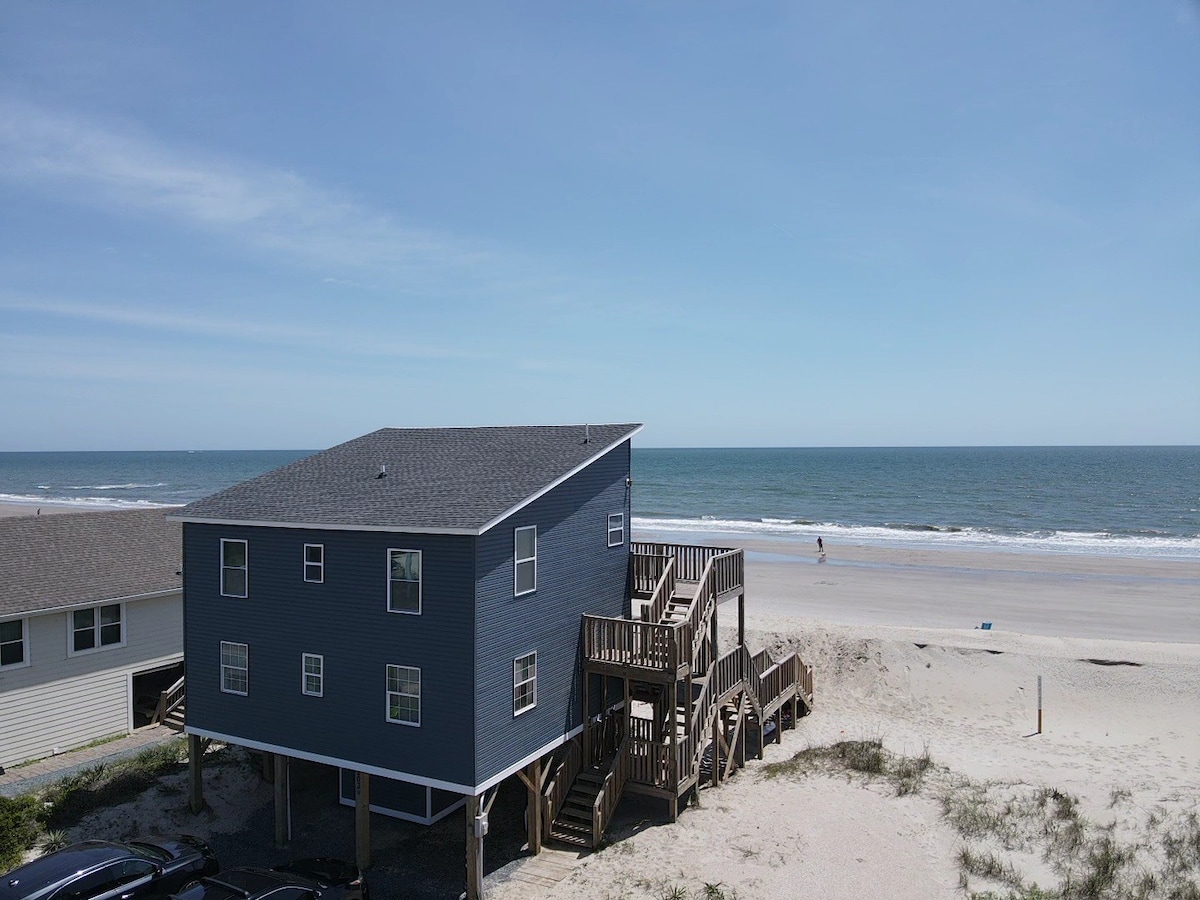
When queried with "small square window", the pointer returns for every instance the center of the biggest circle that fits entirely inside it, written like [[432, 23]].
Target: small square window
[[404, 581], [404, 695], [312, 666], [234, 568], [616, 529], [235, 668], [314, 563], [525, 560], [524, 683]]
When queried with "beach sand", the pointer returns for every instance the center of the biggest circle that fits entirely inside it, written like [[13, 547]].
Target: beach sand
[[8, 510], [892, 636]]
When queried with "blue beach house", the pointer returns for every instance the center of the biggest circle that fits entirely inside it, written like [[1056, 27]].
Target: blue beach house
[[434, 610]]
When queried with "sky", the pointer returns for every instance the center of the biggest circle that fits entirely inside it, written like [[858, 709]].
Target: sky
[[285, 224]]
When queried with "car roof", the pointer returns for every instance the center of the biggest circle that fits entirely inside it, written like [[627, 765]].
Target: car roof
[[252, 879], [52, 868]]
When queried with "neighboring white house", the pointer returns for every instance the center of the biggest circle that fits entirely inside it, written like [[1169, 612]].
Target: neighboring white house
[[91, 626]]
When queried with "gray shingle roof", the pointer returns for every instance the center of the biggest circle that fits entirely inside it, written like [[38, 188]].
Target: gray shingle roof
[[48, 562], [438, 479]]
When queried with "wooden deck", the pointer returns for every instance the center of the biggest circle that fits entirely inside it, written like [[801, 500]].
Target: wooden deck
[[699, 712]]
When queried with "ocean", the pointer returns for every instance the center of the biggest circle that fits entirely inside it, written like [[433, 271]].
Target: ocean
[[1111, 501]]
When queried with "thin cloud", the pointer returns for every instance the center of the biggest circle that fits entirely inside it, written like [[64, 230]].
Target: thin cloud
[[274, 209]]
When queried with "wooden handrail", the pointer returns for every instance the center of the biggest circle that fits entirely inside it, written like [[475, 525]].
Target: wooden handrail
[[554, 795], [664, 590], [626, 642], [168, 701], [609, 794]]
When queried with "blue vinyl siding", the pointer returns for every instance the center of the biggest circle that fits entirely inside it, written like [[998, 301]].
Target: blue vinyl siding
[[577, 573], [344, 619]]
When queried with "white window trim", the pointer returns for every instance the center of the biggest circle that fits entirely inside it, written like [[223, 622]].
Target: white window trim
[[98, 648], [24, 645], [245, 567], [304, 674], [320, 566], [221, 665], [387, 695], [420, 583], [533, 559], [619, 530], [517, 684]]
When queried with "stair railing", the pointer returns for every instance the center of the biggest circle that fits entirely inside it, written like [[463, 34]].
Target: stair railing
[[664, 590], [168, 701], [609, 794], [558, 786]]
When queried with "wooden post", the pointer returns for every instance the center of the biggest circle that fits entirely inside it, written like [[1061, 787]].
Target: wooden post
[[474, 853], [196, 773], [535, 806], [281, 800], [717, 738], [1039, 731], [362, 820], [742, 620]]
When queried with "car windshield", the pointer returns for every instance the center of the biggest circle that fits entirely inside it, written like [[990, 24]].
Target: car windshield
[[150, 851], [210, 889]]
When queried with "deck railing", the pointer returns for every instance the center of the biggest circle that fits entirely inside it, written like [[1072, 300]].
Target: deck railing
[[624, 642], [690, 559], [662, 592], [646, 570], [168, 701], [554, 795]]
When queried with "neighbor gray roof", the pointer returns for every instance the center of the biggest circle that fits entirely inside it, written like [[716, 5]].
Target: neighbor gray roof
[[68, 559], [455, 480]]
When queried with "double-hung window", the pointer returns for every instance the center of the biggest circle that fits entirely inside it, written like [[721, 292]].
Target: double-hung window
[[95, 627], [312, 674], [616, 529], [524, 683], [12, 644], [525, 560], [314, 563], [404, 581], [234, 568], [404, 695], [235, 668]]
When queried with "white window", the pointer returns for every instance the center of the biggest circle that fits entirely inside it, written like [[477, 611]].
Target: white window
[[525, 560], [312, 668], [404, 695], [616, 529], [233, 568], [13, 651], [524, 683], [314, 563], [404, 581], [95, 628], [235, 668]]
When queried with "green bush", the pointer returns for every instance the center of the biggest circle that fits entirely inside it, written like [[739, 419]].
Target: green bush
[[18, 829]]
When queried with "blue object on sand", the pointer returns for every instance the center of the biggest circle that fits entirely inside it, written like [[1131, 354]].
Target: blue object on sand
[[986, 626]]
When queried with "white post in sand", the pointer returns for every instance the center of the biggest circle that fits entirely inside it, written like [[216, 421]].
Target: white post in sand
[[1039, 731]]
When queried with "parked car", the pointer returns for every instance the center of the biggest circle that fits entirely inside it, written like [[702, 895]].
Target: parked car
[[100, 870], [320, 878]]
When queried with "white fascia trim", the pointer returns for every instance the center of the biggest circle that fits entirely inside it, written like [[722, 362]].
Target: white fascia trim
[[324, 526], [552, 485], [333, 761], [83, 604], [536, 754]]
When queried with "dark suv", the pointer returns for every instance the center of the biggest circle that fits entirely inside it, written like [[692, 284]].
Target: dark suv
[[106, 870]]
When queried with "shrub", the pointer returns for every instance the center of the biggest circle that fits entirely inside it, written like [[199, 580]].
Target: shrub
[[18, 829]]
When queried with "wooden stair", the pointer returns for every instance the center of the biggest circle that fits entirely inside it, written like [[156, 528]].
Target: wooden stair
[[574, 823], [175, 718]]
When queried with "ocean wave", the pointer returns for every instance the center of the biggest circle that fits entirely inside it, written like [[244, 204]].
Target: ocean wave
[[83, 502], [1091, 542], [133, 486]]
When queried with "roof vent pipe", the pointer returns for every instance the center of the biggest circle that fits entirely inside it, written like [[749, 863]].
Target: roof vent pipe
[[587, 434], [382, 471]]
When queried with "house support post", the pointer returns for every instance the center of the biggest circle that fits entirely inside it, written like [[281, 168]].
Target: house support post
[[196, 773], [474, 853], [362, 820], [282, 799], [532, 777]]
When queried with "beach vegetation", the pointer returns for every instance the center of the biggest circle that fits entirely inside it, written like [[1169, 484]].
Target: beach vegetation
[[867, 757], [18, 829]]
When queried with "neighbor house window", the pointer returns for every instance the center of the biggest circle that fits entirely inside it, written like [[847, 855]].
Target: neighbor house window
[[235, 668], [95, 627], [404, 581], [233, 568], [12, 643], [404, 695], [616, 529], [312, 667], [524, 683], [525, 560], [314, 562]]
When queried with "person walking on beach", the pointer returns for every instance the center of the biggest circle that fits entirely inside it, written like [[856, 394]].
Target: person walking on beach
[[820, 545]]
